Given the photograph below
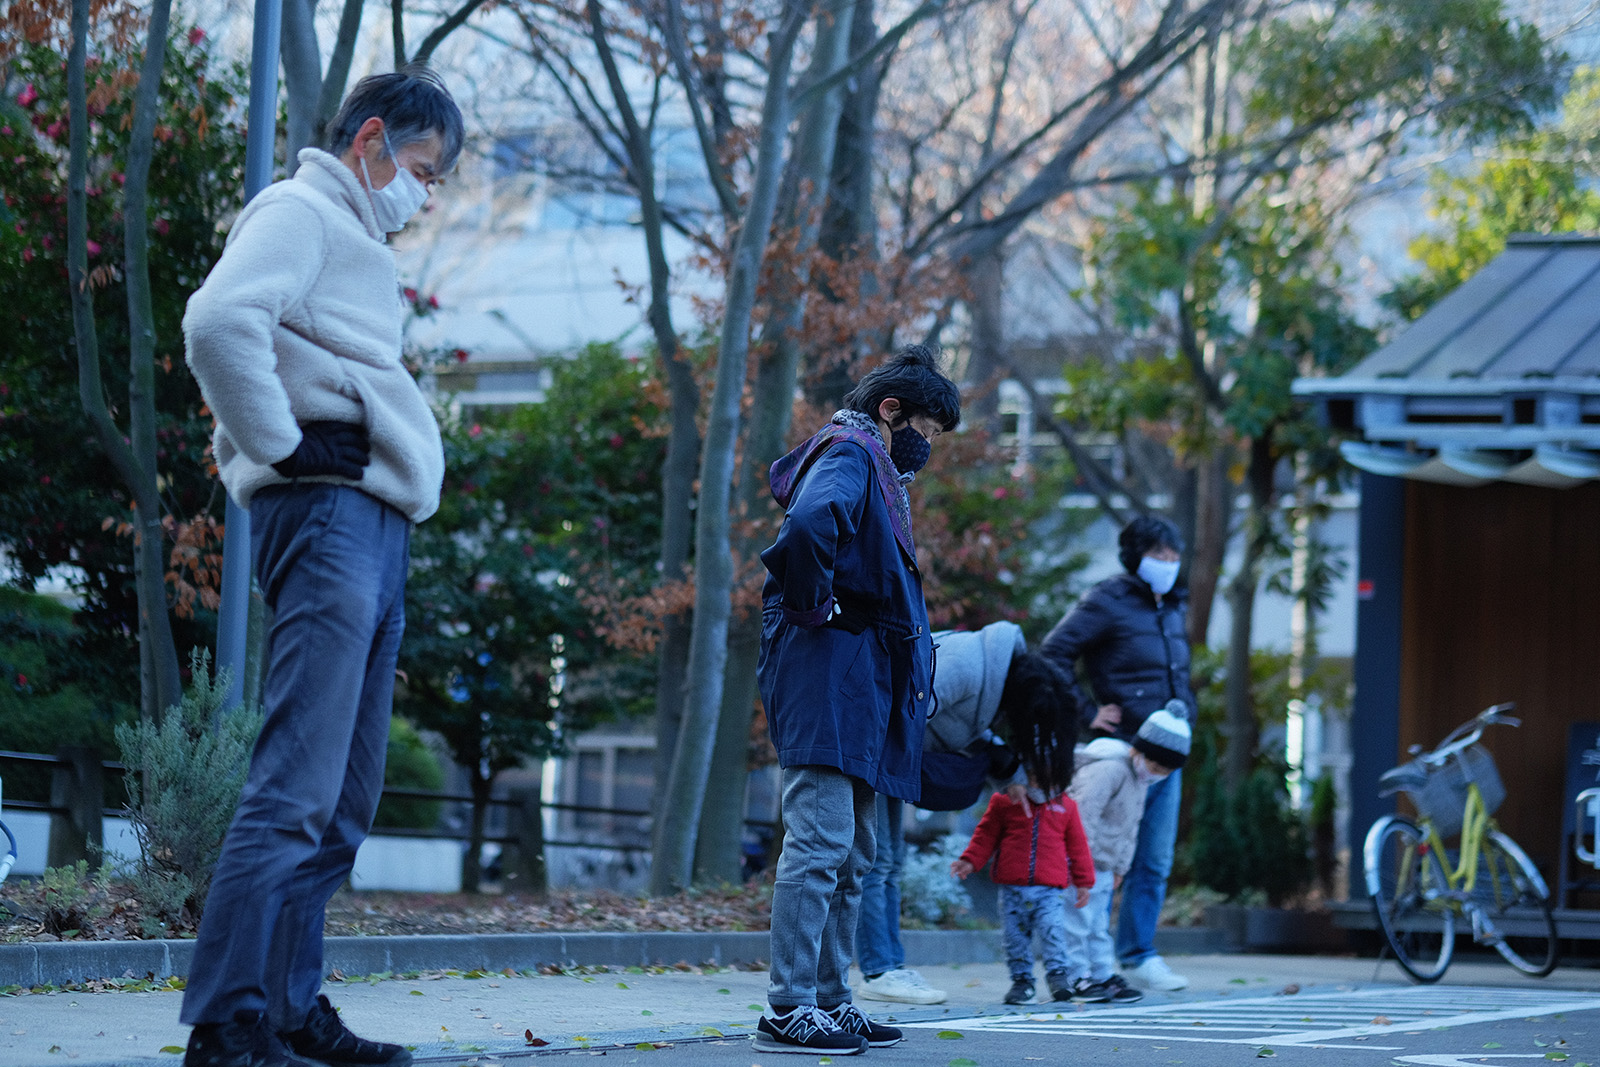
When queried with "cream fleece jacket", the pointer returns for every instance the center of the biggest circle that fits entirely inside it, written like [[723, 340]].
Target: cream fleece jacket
[[1110, 802], [299, 321]]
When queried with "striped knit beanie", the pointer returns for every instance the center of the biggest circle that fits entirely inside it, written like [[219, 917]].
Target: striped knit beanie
[[1164, 737]]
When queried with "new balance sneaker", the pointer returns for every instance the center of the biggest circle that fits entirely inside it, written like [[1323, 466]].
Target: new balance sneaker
[[325, 1039], [1118, 991], [852, 1020], [248, 1041], [900, 986], [1088, 991], [805, 1029], [1154, 973], [1060, 985], [1021, 991]]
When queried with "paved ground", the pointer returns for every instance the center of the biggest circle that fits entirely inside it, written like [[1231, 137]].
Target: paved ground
[[1302, 1010]]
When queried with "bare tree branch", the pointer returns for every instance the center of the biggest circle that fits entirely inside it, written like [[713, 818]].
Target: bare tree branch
[[437, 35]]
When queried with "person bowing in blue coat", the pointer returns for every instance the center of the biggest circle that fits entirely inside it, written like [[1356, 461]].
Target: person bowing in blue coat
[[846, 675]]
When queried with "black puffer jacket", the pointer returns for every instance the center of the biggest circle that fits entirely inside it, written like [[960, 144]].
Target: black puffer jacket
[[1135, 652]]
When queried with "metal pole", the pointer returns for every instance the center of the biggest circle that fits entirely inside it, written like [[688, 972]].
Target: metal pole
[[233, 622]]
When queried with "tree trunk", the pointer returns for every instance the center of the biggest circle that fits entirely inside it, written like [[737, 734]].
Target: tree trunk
[[1213, 495], [332, 93], [1240, 718], [986, 279], [683, 391], [531, 874], [472, 862], [675, 835], [772, 409], [849, 221], [134, 460], [302, 78]]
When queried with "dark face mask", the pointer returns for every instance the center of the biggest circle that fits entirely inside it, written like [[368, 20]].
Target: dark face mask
[[909, 450]]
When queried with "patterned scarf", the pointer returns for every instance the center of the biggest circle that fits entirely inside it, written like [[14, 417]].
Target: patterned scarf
[[859, 427]]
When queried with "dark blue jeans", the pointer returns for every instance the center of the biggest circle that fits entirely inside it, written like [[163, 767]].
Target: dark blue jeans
[[332, 562], [1145, 887], [878, 946]]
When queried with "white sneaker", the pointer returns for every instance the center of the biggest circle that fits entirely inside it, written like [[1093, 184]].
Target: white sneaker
[[1154, 973], [902, 987]]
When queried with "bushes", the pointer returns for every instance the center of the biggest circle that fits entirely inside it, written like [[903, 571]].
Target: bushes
[[410, 765], [929, 893], [183, 785]]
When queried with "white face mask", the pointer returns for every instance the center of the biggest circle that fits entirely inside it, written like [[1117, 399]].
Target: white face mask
[[1159, 574], [402, 198], [1145, 774]]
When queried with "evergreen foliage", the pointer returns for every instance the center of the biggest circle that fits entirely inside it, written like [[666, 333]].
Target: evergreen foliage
[[184, 778]]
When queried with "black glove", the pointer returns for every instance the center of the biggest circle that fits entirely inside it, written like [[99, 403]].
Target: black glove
[[336, 448], [848, 616]]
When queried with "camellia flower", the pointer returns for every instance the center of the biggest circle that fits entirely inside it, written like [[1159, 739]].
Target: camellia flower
[[94, 247], [161, 226], [196, 35], [28, 95], [461, 355]]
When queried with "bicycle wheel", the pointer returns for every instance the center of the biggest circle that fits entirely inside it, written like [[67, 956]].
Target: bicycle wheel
[[1514, 907], [1409, 893]]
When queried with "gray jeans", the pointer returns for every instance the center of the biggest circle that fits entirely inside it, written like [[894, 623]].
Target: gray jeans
[[829, 822]]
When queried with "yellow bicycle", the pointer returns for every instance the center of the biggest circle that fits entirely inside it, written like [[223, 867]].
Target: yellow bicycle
[[1419, 888]]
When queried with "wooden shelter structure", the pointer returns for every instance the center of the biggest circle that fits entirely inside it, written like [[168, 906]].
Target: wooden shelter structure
[[1477, 432]]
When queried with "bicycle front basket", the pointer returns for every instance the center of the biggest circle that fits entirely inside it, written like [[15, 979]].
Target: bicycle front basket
[[1443, 797]]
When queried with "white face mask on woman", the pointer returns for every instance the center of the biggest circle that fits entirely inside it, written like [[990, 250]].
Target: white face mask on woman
[[402, 198], [1159, 574]]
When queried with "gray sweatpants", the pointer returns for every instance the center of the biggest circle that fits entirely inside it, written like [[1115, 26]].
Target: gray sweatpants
[[828, 847]]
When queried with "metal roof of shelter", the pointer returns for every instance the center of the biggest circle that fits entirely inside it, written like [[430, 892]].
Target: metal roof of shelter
[[1498, 381]]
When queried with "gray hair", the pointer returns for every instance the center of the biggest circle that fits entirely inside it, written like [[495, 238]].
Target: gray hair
[[413, 104]]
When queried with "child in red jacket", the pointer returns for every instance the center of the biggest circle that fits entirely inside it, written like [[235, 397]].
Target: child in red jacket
[[1039, 849]]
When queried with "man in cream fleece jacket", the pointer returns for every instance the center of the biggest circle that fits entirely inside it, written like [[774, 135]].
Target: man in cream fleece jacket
[[323, 434]]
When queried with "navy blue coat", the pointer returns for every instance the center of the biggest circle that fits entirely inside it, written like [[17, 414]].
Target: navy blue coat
[[1136, 652], [854, 701]]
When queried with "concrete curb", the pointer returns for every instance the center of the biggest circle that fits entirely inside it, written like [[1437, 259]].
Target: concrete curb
[[63, 962]]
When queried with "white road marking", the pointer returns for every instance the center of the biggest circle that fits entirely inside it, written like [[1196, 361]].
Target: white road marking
[[1465, 1059], [1318, 1019]]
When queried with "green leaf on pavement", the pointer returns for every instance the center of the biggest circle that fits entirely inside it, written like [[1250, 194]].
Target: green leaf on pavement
[[1491, 1044], [1263, 1053], [950, 1035], [179, 1049], [962, 1061]]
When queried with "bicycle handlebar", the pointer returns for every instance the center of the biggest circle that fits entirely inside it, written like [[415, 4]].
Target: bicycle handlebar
[[1466, 735]]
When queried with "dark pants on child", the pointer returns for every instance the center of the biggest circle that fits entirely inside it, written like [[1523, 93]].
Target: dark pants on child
[[1029, 909], [829, 820], [331, 562]]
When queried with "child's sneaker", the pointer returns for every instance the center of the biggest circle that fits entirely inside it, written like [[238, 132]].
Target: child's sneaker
[[1021, 991], [852, 1020], [1088, 991], [806, 1029], [1119, 991], [1060, 985]]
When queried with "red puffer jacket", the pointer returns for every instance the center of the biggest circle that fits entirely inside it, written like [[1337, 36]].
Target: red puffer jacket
[[1049, 848]]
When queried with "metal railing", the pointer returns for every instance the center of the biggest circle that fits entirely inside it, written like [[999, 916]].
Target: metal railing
[[72, 806]]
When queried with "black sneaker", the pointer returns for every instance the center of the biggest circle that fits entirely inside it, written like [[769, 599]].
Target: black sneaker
[[326, 1039], [246, 1042], [1021, 991], [1120, 992], [1088, 991], [852, 1020], [805, 1029], [1060, 985]]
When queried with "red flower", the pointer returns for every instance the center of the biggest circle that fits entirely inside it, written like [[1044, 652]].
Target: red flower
[[119, 177], [616, 440], [22, 679], [27, 254], [44, 479], [161, 226], [28, 95], [94, 247], [55, 129], [196, 35], [1000, 492], [6, 130], [461, 355], [475, 431], [409, 293], [433, 302]]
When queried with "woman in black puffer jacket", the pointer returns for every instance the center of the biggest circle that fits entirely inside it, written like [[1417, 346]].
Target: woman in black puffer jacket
[[1130, 631]]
